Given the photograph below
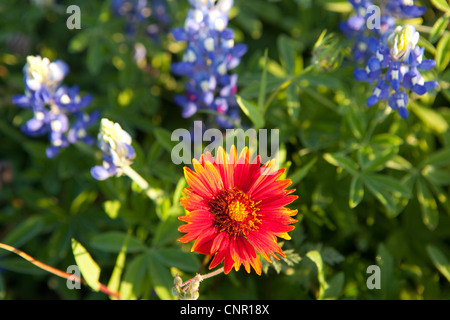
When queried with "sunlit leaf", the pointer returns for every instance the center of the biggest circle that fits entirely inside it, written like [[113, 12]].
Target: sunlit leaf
[[440, 261], [88, 267]]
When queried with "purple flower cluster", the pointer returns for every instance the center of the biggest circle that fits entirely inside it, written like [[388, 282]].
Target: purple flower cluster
[[209, 55], [152, 14], [390, 53], [57, 109]]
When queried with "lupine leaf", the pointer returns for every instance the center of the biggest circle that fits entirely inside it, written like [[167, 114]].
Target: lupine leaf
[[317, 259], [428, 205], [438, 28], [286, 52], [342, 161], [441, 5], [162, 280], [172, 257], [113, 241], [442, 56], [440, 261], [356, 191], [88, 267], [251, 111]]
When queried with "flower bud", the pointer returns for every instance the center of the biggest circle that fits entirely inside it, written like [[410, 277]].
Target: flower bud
[[402, 41], [327, 52]]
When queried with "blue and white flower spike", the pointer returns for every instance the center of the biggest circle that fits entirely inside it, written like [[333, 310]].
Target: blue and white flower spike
[[118, 152], [210, 54], [53, 104]]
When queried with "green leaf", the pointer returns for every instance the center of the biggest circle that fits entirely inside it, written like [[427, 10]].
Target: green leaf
[[438, 28], [88, 267], [385, 140], [428, 205], [94, 57], [164, 137], [356, 123], [389, 283], [287, 53], [342, 161], [439, 158], [390, 183], [134, 281], [441, 5], [112, 208], [378, 160], [262, 88], [114, 281], [427, 45], [178, 191], [293, 101], [436, 176], [20, 265], [162, 280], [25, 231], [79, 42], [382, 195], [114, 241], [442, 56], [317, 259], [440, 261], [172, 257], [335, 286], [356, 191], [432, 119], [251, 111], [298, 175], [166, 231]]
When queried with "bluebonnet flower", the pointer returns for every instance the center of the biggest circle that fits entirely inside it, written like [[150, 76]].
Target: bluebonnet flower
[[149, 14], [118, 152], [53, 104], [404, 8], [390, 53], [209, 55]]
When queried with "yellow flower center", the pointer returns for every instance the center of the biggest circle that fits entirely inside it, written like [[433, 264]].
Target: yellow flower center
[[402, 41], [234, 212], [238, 211]]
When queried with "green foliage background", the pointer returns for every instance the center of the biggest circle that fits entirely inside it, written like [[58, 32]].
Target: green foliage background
[[373, 188]]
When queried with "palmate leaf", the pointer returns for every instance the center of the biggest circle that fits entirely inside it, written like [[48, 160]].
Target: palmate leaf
[[135, 280], [394, 195], [162, 280]]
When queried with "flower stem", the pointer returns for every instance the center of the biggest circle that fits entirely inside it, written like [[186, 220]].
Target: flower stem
[[206, 276], [55, 271], [141, 182]]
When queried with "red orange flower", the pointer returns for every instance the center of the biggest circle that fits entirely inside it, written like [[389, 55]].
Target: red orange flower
[[236, 209]]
